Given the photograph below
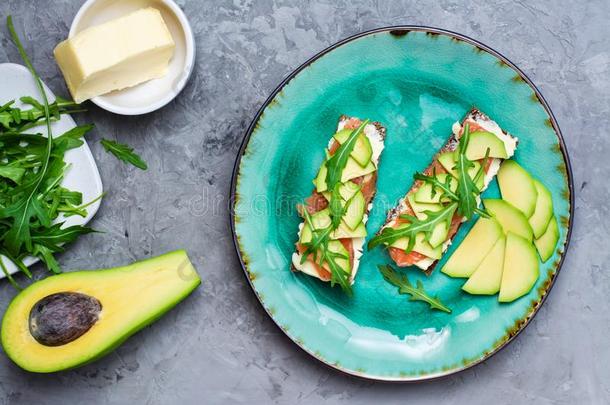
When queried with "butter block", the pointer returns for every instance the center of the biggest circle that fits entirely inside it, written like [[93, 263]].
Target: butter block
[[115, 55]]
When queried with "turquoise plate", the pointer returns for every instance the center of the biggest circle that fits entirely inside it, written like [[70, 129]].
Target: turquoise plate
[[416, 81]]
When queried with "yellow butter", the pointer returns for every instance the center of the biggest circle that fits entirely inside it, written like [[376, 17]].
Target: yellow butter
[[115, 55]]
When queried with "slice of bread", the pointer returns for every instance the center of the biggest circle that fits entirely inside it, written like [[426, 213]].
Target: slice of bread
[[481, 120], [375, 133]]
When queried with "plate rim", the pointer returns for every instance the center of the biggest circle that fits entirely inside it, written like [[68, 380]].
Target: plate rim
[[400, 30]]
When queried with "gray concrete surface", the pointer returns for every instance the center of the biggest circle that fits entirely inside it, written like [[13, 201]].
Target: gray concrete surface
[[219, 346]]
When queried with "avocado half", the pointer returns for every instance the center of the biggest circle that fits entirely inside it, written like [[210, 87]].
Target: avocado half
[[71, 319]]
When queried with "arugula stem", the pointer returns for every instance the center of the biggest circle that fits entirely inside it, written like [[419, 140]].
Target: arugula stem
[[8, 275], [83, 206]]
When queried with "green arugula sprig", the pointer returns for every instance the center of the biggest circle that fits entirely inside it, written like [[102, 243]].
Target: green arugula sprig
[[416, 292], [337, 162], [17, 120], [414, 226], [467, 189], [29, 206], [318, 249], [124, 152], [335, 207], [444, 187], [31, 170], [318, 246]]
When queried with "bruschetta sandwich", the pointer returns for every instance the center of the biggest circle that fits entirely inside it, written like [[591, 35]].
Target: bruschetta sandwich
[[447, 193], [332, 234]]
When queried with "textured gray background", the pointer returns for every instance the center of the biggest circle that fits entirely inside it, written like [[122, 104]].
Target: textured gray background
[[219, 346]]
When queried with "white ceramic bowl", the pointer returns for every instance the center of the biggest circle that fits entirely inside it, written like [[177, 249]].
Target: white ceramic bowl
[[154, 94]]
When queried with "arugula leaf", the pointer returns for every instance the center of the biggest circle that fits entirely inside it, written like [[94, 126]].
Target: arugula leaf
[[12, 173], [318, 248], [338, 275], [426, 226], [124, 152], [17, 119], [437, 184], [31, 170], [70, 139], [417, 292], [55, 236], [28, 207], [467, 190], [337, 210], [336, 163], [81, 210]]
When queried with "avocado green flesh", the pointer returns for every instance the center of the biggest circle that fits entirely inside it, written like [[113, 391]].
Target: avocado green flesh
[[447, 160], [473, 249], [511, 218], [421, 246], [440, 232], [131, 297], [480, 142], [354, 210], [547, 242], [544, 210], [517, 187], [352, 170], [362, 151], [351, 225], [487, 277], [426, 193], [343, 262], [520, 269]]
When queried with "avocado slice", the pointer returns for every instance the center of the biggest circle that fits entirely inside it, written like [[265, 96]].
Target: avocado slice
[[344, 231], [517, 187], [547, 242], [487, 277], [320, 181], [544, 210], [351, 170], [354, 210], [511, 219], [473, 249], [321, 219], [421, 246], [520, 268], [71, 319], [362, 151], [447, 160], [420, 208], [424, 192], [336, 246], [440, 231], [347, 190], [306, 234], [482, 141]]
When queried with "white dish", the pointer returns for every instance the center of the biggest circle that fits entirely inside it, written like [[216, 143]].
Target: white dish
[[16, 81], [154, 94]]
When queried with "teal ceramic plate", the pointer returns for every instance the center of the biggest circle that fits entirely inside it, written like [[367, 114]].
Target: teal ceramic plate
[[416, 81]]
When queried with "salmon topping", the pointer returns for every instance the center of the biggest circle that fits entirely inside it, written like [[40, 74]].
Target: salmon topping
[[316, 202]]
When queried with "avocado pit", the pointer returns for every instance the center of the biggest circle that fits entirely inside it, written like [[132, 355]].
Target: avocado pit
[[62, 317]]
